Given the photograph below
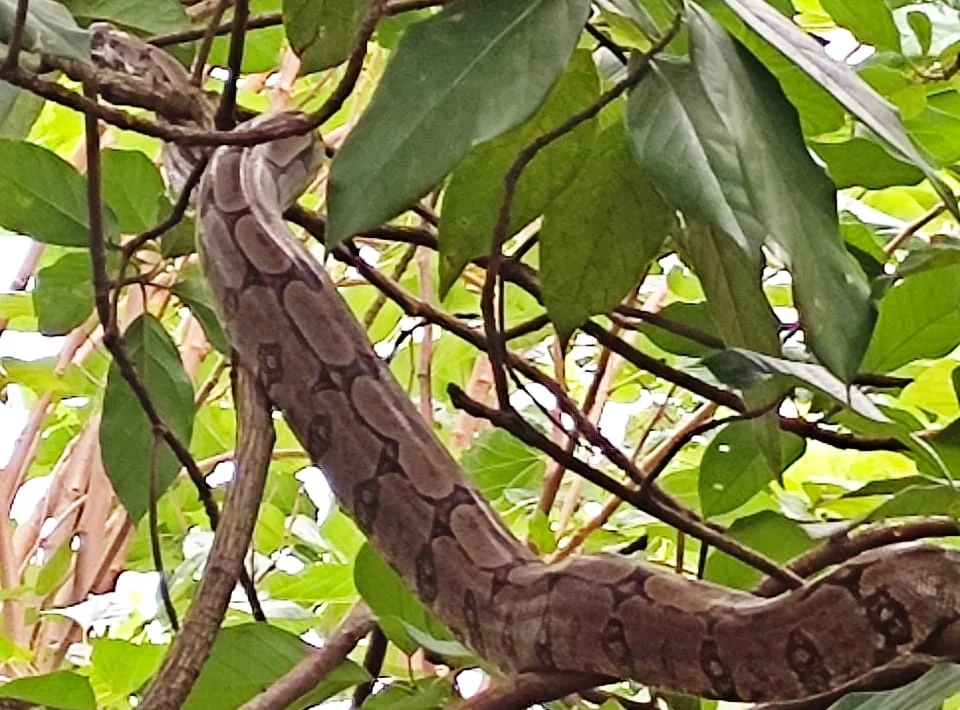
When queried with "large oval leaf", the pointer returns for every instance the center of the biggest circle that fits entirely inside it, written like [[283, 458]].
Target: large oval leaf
[[471, 203], [47, 202], [599, 234], [459, 78], [747, 172], [919, 318], [126, 437]]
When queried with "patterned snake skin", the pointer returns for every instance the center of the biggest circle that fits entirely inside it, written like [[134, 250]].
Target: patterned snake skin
[[594, 614]]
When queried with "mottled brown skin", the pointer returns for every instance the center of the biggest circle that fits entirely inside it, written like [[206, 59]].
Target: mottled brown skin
[[597, 614]]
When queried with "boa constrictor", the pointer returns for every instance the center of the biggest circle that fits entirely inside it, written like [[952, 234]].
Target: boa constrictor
[[593, 614]]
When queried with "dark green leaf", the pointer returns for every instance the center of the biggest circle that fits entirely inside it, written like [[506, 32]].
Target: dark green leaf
[[246, 659], [63, 293], [472, 200], [49, 29], [60, 689], [831, 292], [600, 234], [734, 468], [738, 306], [43, 196], [126, 437], [155, 17], [191, 288], [742, 368], [841, 81], [461, 77], [919, 318], [767, 532], [691, 315], [863, 161], [870, 21], [922, 28], [392, 602], [132, 187], [322, 32], [926, 693], [18, 111]]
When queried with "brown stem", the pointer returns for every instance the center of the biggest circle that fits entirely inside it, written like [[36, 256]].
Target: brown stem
[[255, 437]]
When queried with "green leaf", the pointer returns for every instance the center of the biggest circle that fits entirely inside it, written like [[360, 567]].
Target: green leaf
[[19, 110], [600, 234], [322, 32], [44, 196], [126, 437], [132, 187], [319, 583], [920, 500], [842, 83], [155, 17], [461, 77], [832, 294], [49, 29], [922, 28], [919, 318], [862, 161], [54, 570], [926, 693], [423, 694], [18, 310], [63, 293], [743, 317], [691, 315], [540, 533], [497, 463], [120, 668], [389, 598], [472, 200], [261, 49], [191, 288], [870, 21], [60, 689], [742, 368], [246, 659], [767, 532], [734, 468]]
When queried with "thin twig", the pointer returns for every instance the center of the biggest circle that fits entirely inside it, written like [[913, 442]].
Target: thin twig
[[16, 36], [255, 439], [682, 520], [372, 664], [224, 119], [155, 549], [206, 44]]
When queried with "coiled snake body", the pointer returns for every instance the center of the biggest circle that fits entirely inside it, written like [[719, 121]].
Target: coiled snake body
[[594, 614]]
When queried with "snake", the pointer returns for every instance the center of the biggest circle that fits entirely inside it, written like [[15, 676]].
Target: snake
[[599, 614]]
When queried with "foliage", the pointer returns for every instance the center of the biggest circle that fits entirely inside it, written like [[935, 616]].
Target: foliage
[[759, 222]]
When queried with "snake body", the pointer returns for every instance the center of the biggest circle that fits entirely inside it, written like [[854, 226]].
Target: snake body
[[593, 614]]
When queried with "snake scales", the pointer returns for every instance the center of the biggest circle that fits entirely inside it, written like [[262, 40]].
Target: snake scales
[[593, 614]]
